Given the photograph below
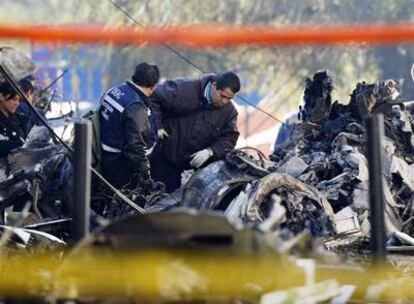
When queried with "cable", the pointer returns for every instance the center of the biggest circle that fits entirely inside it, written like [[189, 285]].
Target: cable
[[53, 82], [164, 44], [195, 65], [278, 106]]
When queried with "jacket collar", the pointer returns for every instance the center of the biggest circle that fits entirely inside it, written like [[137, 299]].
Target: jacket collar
[[138, 90], [204, 80]]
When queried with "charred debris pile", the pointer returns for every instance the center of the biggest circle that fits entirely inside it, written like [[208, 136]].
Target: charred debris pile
[[317, 180]]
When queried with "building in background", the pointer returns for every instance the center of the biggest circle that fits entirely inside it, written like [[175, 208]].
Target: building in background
[[257, 129], [86, 78]]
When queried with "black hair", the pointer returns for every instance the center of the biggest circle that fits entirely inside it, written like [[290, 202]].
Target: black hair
[[26, 85], [146, 75], [7, 90], [228, 80]]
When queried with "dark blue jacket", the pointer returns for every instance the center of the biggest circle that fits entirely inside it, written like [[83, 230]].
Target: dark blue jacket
[[25, 110], [13, 132], [125, 126]]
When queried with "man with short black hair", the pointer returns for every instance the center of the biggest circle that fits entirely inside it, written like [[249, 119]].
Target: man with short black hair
[[127, 134], [197, 124], [14, 127]]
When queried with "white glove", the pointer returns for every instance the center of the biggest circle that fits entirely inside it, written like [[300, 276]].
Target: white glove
[[200, 157], [162, 134]]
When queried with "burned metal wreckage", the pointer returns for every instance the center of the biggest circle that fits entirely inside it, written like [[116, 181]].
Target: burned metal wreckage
[[319, 176], [315, 184]]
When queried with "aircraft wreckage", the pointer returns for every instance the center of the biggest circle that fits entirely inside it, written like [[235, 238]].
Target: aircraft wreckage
[[314, 184]]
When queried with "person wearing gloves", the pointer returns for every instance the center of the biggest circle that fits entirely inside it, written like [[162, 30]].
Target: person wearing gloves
[[197, 124], [128, 133]]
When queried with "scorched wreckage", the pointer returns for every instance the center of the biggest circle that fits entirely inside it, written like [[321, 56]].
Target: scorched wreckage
[[315, 184]]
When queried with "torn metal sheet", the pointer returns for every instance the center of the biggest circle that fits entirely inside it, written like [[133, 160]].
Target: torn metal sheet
[[30, 239], [306, 208], [276, 180], [309, 178], [293, 167], [346, 221], [361, 196], [180, 229], [344, 140], [215, 186], [396, 165]]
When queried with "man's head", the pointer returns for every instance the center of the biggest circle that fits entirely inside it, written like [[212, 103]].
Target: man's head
[[224, 88], [27, 88], [146, 76], [9, 99]]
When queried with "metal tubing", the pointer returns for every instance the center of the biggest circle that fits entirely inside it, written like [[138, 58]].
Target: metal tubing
[[375, 132], [82, 180]]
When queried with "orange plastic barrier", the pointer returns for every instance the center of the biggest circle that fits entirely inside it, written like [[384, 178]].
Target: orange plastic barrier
[[198, 36]]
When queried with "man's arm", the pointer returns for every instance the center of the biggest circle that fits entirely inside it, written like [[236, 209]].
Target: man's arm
[[157, 110], [227, 139], [136, 127], [179, 96]]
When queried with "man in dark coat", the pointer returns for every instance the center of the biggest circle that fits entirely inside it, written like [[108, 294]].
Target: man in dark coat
[[197, 123], [14, 127], [127, 136], [28, 89]]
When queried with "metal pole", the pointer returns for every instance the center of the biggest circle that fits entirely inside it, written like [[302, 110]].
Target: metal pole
[[375, 132], [82, 180]]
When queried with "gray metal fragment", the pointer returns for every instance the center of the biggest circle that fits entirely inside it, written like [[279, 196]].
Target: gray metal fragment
[[293, 167]]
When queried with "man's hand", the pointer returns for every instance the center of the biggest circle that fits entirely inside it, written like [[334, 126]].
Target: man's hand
[[200, 157], [162, 134]]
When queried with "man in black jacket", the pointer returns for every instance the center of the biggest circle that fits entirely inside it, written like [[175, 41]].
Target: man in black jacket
[[14, 127], [28, 89], [197, 123], [127, 134]]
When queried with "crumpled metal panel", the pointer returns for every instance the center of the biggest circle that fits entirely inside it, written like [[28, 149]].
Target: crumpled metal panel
[[180, 228], [203, 188], [306, 207], [277, 180], [30, 239], [294, 167]]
